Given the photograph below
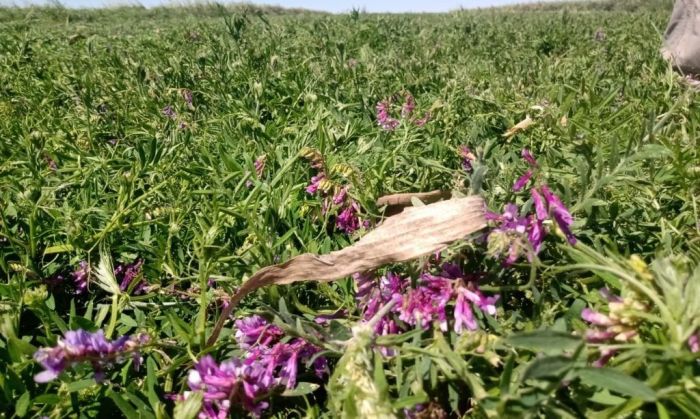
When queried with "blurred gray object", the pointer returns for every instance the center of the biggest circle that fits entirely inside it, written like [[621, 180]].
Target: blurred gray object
[[682, 38]]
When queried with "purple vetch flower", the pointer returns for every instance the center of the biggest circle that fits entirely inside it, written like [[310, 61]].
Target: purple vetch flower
[[535, 235], [430, 410], [525, 178], [467, 158], [80, 277], [187, 97], [464, 316], [425, 304], [169, 112], [231, 382], [559, 212], [596, 318], [81, 346], [51, 163], [605, 355], [422, 121], [55, 280], [528, 157], [540, 209], [182, 125], [522, 181], [514, 234], [383, 119], [255, 330], [267, 364], [339, 198], [408, 105], [373, 294], [619, 325], [511, 229], [366, 283], [348, 221], [126, 274], [260, 165], [313, 187], [694, 342]]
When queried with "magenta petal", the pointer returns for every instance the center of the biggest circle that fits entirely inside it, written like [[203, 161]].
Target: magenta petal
[[45, 376], [528, 157], [522, 181], [694, 343], [560, 213], [595, 317], [540, 208]]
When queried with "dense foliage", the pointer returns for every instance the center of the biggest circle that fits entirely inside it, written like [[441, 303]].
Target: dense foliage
[[152, 160]]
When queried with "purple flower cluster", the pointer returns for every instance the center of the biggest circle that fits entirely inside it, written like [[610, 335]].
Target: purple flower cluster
[[408, 106], [80, 277], [525, 178], [619, 325], [260, 165], [128, 273], [315, 185], [514, 234], [422, 121], [694, 342], [384, 108], [80, 346], [467, 158], [348, 219], [425, 304], [267, 364], [51, 163], [348, 210], [169, 112], [383, 119], [519, 235]]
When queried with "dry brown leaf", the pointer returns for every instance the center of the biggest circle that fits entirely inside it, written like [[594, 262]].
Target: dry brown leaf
[[415, 232], [520, 126]]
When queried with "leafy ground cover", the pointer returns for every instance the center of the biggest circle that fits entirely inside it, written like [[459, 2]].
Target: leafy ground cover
[[152, 160]]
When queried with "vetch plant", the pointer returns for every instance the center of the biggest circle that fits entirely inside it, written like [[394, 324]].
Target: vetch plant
[[80, 346]]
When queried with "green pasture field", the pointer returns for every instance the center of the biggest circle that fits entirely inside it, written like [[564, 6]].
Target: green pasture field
[[105, 159]]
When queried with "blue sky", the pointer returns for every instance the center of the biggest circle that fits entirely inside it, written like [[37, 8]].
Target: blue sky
[[327, 5]]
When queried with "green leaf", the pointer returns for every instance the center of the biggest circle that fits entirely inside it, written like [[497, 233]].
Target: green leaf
[[58, 248], [19, 348], [128, 320], [547, 341], [189, 408], [22, 404], [379, 376], [604, 397], [80, 385], [410, 401], [48, 399], [548, 366], [301, 389], [616, 381], [122, 404]]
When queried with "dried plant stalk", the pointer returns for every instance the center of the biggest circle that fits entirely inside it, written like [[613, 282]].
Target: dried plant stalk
[[415, 232]]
